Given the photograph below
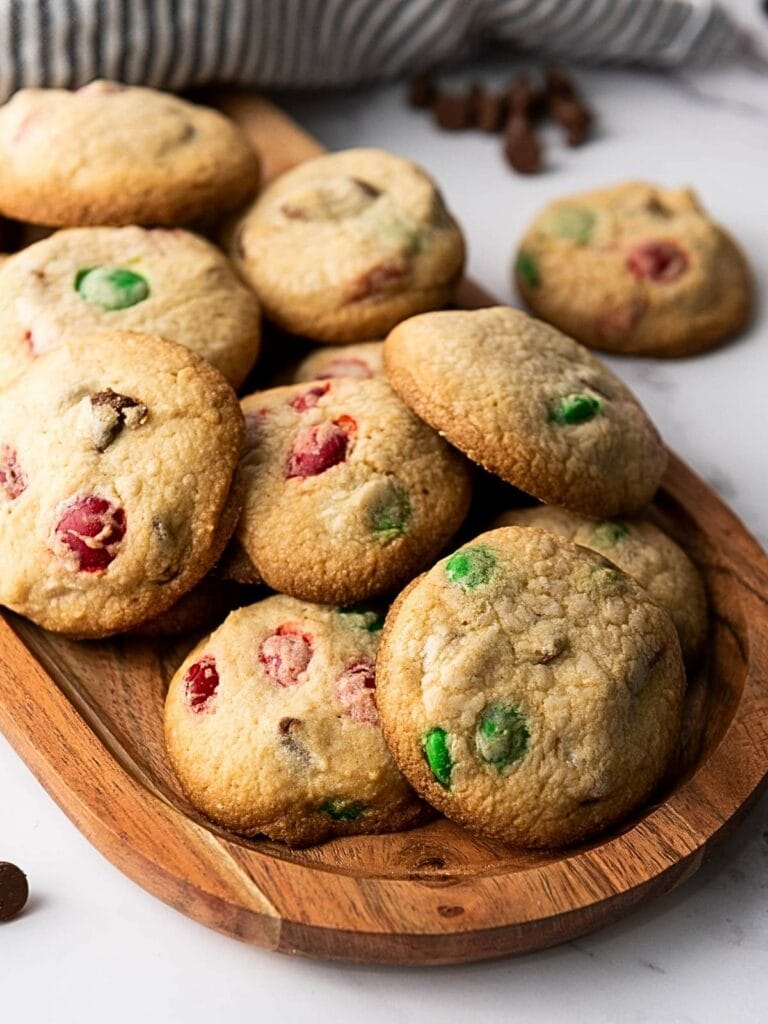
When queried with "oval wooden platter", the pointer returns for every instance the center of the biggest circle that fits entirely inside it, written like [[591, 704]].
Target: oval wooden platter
[[86, 718]]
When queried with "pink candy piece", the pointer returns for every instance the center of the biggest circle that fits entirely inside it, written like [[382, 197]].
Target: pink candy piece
[[13, 480], [309, 399], [201, 681], [286, 654], [659, 261], [355, 689], [347, 366], [90, 531], [316, 449]]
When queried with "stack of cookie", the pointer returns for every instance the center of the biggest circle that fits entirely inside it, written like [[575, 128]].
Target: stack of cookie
[[528, 684]]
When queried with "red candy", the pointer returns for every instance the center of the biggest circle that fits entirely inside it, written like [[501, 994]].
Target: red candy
[[90, 530], [346, 366], [309, 399], [661, 261], [286, 653], [201, 681], [13, 480], [355, 689], [316, 449]]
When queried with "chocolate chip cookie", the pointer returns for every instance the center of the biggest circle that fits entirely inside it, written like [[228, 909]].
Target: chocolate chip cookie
[[271, 726], [529, 689], [635, 269]]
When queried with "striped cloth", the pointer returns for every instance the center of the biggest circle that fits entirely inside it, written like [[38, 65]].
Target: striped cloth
[[315, 43]]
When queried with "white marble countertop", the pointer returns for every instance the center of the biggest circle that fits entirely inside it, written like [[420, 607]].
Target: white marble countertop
[[92, 946]]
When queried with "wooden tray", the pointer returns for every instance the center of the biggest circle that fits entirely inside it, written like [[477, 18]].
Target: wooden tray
[[86, 717]]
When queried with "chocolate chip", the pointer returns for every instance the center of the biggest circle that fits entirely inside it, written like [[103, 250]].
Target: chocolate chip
[[287, 725], [112, 412], [287, 728], [367, 187], [453, 111], [422, 91], [14, 890], [523, 98], [490, 111], [567, 107], [164, 556], [521, 146]]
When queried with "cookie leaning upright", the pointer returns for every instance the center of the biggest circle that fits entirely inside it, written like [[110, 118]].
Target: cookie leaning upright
[[344, 246], [641, 550], [117, 458], [530, 690], [529, 404], [347, 494], [271, 726], [116, 154], [635, 269], [158, 281]]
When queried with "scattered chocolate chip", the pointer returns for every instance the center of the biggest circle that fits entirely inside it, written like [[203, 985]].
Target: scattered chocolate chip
[[112, 412], [293, 212], [14, 890], [287, 725], [521, 145], [566, 106], [490, 111], [453, 111], [422, 92], [523, 98], [287, 728], [165, 555]]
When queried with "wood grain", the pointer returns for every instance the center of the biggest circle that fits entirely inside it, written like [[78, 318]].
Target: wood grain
[[86, 717]]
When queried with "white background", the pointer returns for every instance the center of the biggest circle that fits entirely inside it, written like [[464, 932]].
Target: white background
[[93, 947]]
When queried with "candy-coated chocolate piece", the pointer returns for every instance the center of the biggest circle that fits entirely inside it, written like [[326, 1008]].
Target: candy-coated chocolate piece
[[435, 747], [111, 288], [501, 734], [471, 567]]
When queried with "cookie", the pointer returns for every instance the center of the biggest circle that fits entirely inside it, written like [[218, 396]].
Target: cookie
[[635, 269], [206, 604], [117, 154], [645, 553], [347, 495], [529, 689], [271, 726], [117, 458], [530, 405], [343, 247], [363, 360], [159, 281]]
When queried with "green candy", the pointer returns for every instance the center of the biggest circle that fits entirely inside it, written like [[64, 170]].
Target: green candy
[[527, 270], [111, 288], [364, 618], [573, 409], [342, 810], [575, 223], [608, 533], [471, 567], [435, 747], [501, 735], [606, 578], [390, 516]]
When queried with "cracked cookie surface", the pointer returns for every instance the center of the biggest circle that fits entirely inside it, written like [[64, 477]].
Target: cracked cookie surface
[[117, 458], [644, 552], [344, 246], [528, 689], [529, 404], [347, 494], [157, 281], [271, 725], [635, 269], [115, 154]]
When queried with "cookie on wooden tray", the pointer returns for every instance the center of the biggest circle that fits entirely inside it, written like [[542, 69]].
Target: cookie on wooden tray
[[529, 689], [117, 459], [641, 550], [529, 404], [347, 494], [361, 360], [271, 726], [117, 154], [344, 246], [635, 269], [157, 281]]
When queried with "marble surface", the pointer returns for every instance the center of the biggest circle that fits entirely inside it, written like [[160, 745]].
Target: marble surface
[[92, 946]]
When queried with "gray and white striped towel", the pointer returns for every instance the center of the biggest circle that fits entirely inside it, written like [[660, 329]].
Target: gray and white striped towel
[[316, 43]]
